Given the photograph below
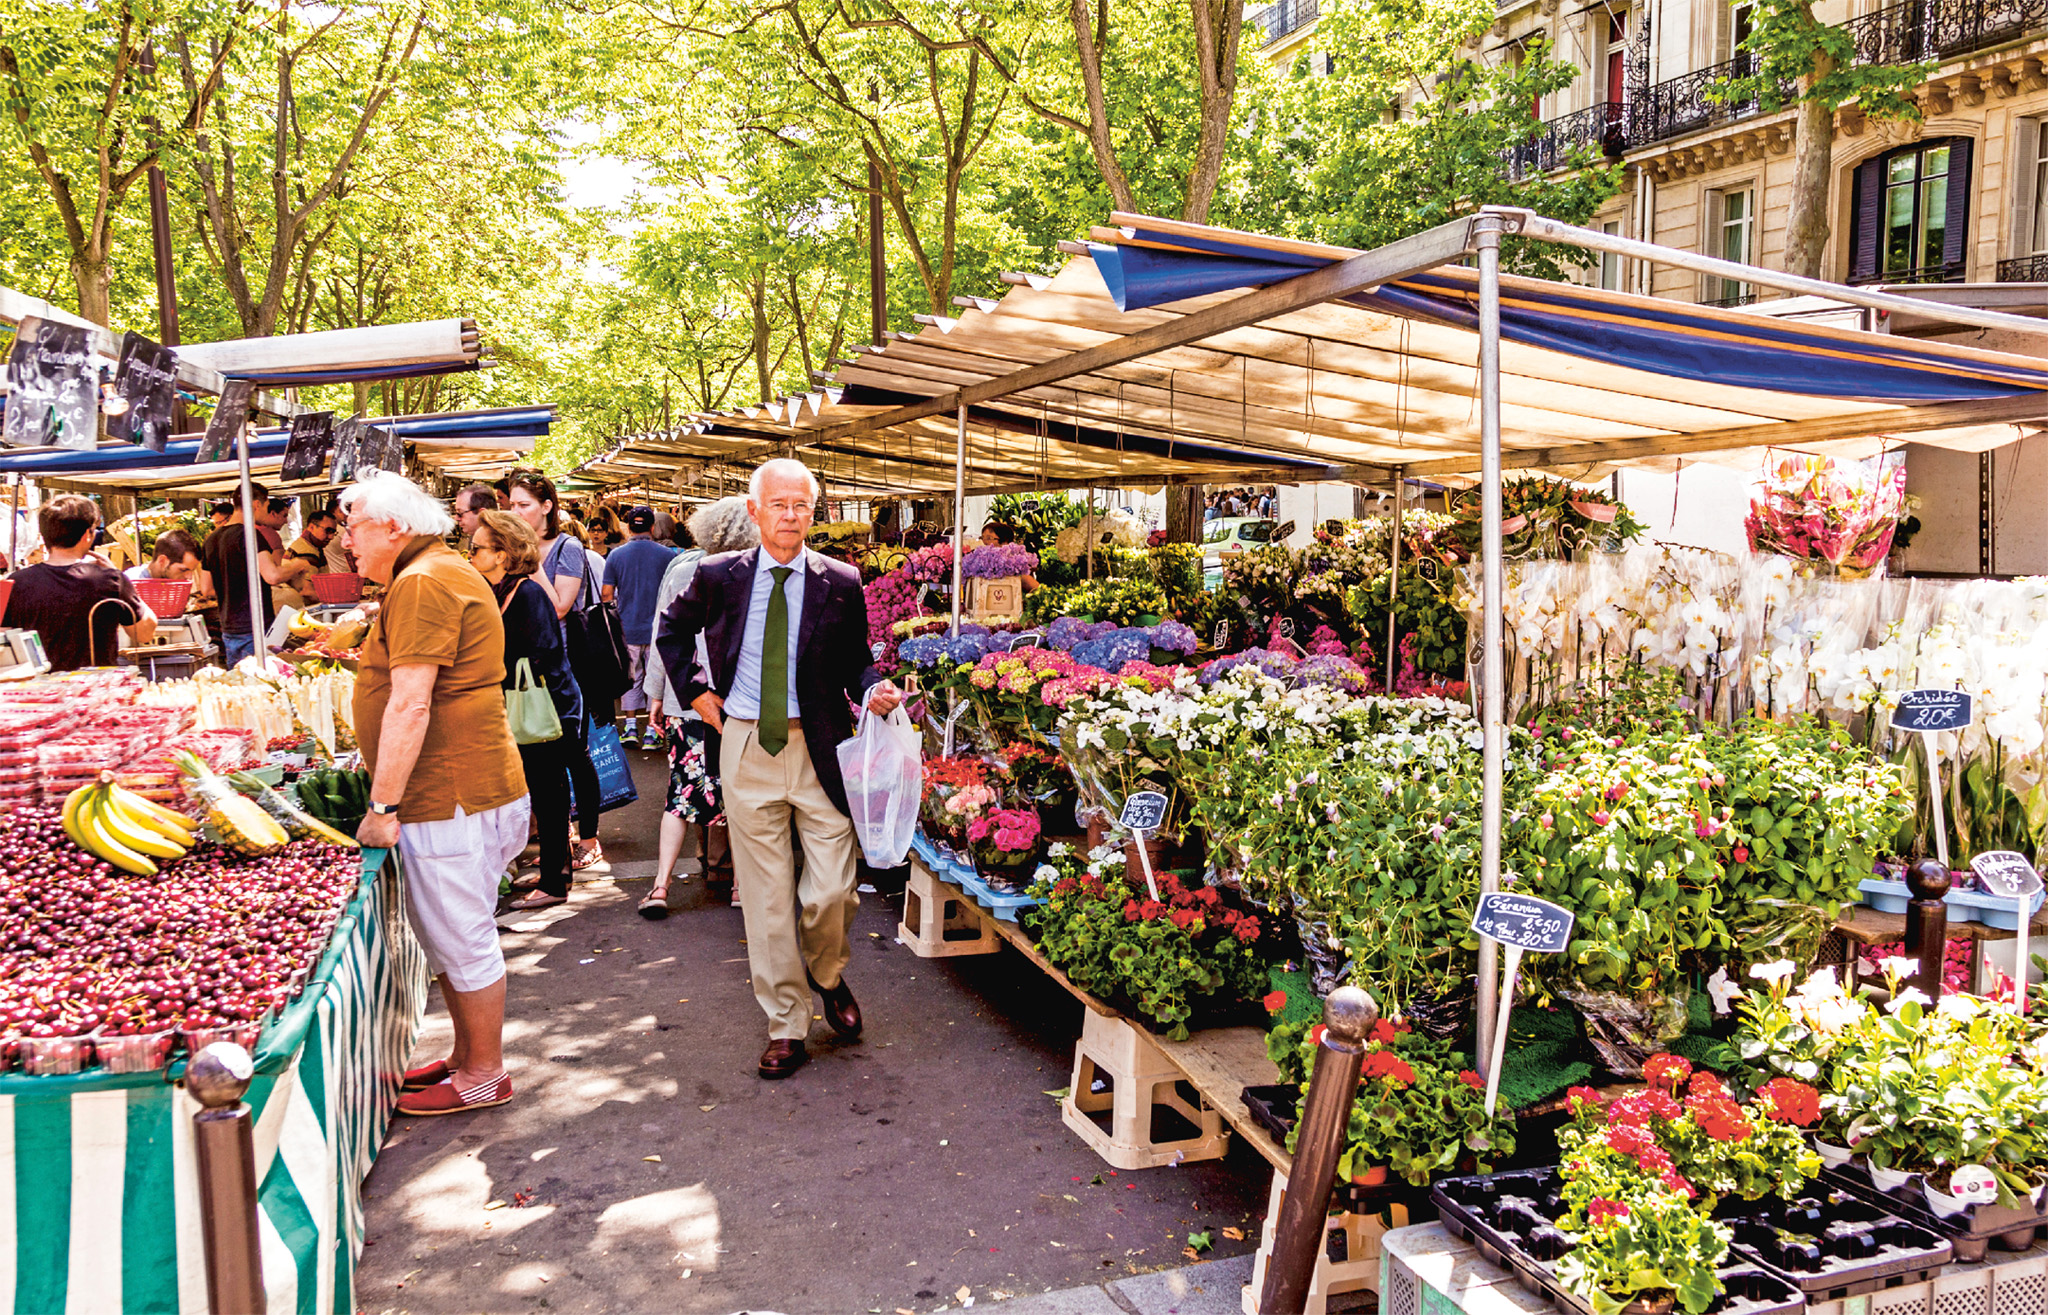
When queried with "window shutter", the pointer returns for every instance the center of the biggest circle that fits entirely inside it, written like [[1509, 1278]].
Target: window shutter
[[1955, 242], [2026, 145], [1868, 205]]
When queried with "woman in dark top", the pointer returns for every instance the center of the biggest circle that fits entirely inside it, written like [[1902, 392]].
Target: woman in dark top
[[505, 552]]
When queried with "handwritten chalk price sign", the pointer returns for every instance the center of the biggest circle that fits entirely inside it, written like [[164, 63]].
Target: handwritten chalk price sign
[[1143, 811], [2008, 875], [1524, 924], [1926, 713]]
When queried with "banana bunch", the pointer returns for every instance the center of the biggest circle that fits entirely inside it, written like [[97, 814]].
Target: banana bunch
[[125, 829]]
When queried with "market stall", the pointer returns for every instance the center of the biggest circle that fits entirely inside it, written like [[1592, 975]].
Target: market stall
[[175, 870], [1697, 760]]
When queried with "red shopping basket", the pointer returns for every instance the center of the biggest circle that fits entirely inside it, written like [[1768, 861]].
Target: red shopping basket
[[338, 589], [165, 597]]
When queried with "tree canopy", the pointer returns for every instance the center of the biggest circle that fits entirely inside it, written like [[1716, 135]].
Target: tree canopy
[[663, 208]]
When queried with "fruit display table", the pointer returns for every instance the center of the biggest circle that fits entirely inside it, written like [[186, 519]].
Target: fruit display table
[[99, 1202]]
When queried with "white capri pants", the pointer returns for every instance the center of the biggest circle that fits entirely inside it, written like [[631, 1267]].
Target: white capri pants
[[452, 868]]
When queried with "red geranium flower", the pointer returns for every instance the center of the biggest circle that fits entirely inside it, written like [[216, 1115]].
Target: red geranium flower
[[1666, 1071], [1274, 1001], [1721, 1118], [1382, 1032], [1246, 930], [1706, 1084], [1790, 1102], [1315, 1035], [1386, 1064], [1472, 1080], [1599, 1210], [1583, 1098]]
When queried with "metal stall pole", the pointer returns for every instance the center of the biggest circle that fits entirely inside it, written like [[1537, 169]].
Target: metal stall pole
[[1394, 572], [224, 1134], [959, 511], [1486, 231], [1348, 1015], [250, 541]]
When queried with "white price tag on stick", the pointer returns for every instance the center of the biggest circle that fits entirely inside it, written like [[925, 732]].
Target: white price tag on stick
[[2008, 875], [1522, 923]]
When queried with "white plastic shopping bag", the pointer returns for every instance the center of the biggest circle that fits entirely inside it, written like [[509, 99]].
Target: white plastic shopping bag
[[883, 765]]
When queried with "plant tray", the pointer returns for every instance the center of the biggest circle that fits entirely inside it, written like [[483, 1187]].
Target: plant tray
[[1975, 1230], [1963, 905], [946, 865], [1832, 1245], [1509, 1218]]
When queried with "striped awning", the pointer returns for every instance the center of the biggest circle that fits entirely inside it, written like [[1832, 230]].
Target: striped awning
[[1380, 378]]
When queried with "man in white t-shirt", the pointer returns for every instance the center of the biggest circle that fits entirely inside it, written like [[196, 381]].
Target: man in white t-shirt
[[176, 558]]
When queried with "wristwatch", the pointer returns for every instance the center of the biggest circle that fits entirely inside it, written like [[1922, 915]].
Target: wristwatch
[[382, 810]]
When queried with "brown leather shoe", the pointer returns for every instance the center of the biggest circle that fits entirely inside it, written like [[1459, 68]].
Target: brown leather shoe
[[782, 1058], [842, 1011]]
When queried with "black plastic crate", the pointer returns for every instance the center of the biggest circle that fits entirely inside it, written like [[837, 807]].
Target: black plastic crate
[[1833, 1245], [1972, 1233], [1510, 1219]]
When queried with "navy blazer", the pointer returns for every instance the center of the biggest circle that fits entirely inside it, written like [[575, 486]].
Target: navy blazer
[[833, 671]]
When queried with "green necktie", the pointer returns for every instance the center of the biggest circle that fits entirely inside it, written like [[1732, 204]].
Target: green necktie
[[774, 729]]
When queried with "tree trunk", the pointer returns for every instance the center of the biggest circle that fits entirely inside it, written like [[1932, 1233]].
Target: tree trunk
[[90, 270], [1218, 24], [1184, 513], [1806, 226]]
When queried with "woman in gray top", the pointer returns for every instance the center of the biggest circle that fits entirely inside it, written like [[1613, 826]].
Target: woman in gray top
[[717, 527]]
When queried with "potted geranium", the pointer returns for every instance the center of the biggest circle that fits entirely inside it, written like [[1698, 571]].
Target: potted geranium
[[1640, 1248], [1004, 842]]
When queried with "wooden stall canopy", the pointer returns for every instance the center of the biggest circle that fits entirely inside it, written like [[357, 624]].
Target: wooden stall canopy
[[1166, 352]]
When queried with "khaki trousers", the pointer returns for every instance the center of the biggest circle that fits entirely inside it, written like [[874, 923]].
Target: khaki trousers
[[792, 926]]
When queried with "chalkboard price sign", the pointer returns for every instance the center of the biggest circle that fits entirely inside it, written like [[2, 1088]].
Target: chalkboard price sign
[[52, 388], [146, 380], [1524, 922], [1222, 637], [230, 417], [1143, 811], [1286, 627], [306, 450], [2006, 874], [1932, 710]]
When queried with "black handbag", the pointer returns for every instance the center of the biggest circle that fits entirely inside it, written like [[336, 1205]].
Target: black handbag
[[596, 640]]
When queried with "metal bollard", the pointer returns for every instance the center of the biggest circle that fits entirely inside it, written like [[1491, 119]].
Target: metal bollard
[[1325, 1115], [1927, 923], [217, 1077]]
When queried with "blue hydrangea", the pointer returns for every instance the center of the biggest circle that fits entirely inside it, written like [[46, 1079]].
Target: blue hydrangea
[[1068, 631], [967, 648], [923, 650], [1112, 650], [1278, 665], [1339, 673]]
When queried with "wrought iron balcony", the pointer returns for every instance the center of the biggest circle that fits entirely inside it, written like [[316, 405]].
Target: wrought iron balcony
[[1700, 99], [1286, 17], [1732, 300], [2025, 269], [1950, 271], [1572, 139]]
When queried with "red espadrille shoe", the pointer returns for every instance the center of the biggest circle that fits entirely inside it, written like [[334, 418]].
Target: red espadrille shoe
[[443, 1098], [419, 1079]]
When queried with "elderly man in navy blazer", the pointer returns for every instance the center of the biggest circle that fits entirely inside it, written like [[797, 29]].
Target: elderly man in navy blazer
[[786, 634]]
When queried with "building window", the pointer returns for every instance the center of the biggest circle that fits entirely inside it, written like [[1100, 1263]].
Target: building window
[[1733, 215], [1912, 214], [1610, 261], [2028, 262]]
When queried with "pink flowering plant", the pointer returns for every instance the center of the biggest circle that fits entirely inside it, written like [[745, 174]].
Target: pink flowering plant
[[1811, 508], [1004, 837]]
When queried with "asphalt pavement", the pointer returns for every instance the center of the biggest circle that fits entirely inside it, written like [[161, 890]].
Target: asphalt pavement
[[642, 1166]]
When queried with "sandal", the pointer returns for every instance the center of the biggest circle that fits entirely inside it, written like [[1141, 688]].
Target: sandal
[[584, 857], [535, 899], [531, 881], [655, 907]]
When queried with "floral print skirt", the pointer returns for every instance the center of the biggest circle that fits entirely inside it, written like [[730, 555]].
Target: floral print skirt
[[693, 771]]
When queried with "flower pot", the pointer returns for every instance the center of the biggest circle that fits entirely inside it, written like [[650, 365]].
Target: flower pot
[[1098, 831], [1651, 1305], [1889, 1180], [1372, 1177], [1831, 1155], [1155, 850], [1943, 1205]]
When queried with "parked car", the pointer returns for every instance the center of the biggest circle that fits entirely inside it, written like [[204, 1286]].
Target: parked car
[[1226, 536]]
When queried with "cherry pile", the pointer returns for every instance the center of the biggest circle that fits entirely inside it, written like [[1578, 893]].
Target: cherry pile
[[215, 941]]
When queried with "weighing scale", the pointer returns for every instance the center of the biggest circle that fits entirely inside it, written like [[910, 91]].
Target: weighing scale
[[181, 645], [21, 654]]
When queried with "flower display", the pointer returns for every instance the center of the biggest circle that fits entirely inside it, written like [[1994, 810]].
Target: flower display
[[998, 561], [1809, 507]]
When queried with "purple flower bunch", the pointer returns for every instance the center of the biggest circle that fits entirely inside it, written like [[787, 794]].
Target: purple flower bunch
[[1068, 631], [1112, 650], [891, 598], [1280, 666], [998, 560], [929, 650], [1175, 637], [1336, 672], [930, 565]]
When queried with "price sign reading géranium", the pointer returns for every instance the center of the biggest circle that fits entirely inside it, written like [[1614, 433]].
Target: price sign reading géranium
[[2009, 875], [1143, 811], [1522, 923], [1932, 710]]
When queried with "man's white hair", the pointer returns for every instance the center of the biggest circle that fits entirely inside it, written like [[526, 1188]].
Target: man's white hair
[[384, 495], [779, 466]]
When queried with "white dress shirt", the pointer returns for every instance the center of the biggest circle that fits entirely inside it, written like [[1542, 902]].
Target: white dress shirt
[[745, 699]]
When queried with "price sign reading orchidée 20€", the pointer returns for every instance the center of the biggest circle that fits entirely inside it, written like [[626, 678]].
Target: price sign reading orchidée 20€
[[1927, 712], [1522, 923]]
